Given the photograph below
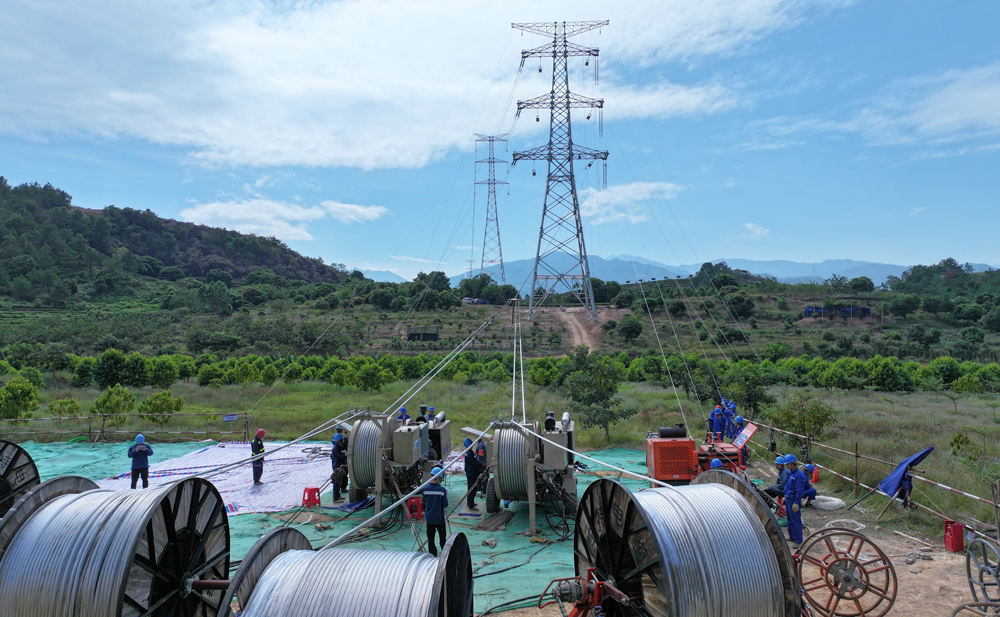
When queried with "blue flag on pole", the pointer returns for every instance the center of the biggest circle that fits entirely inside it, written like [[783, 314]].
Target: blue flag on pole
[[890, 485]]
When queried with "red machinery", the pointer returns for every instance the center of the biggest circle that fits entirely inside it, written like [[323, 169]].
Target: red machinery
[[585, 592], [675, 458]]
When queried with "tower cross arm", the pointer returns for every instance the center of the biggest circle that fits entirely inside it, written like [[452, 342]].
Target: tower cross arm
[[548, 101], [571, 50], [564, 28], [581, 153], [539, 153]]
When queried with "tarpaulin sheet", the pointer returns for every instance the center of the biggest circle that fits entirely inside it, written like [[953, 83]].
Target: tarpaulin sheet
[[891, 483]]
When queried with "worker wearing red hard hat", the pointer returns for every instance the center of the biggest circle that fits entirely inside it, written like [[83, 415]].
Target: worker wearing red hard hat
[[257, 447]]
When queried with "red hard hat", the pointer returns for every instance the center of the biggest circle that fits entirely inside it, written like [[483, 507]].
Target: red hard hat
[[260, 433]]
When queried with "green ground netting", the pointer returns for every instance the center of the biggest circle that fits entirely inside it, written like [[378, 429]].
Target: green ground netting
[[513, 548]]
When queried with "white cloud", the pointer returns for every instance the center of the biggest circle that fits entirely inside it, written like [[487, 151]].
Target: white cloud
[[623, 201], [917, 211], [263, 217], [414, 259], [350, 83], [350, 213], [753, 231]]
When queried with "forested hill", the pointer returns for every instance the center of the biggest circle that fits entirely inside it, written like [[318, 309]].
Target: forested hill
[[50, 249]]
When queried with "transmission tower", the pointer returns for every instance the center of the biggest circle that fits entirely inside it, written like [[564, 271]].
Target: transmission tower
[[492, 253], [561, 231]]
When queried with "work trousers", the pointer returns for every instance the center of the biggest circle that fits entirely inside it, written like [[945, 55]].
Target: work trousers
[[471, 482], [144, 472], [774, 491], [258, 470], [809, 494], [794, 522], [431, 530]]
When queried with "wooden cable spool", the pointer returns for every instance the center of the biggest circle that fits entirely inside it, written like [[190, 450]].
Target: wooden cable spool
[[845, 574], [18, 474]]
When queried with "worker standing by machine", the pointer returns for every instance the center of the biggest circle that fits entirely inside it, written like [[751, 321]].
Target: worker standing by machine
[[778, 489], [339, 459], [140, 453], [795, 486], [474, 466], [435, 501], [257, 447], [716, 425], [729, 413], [403, 417]]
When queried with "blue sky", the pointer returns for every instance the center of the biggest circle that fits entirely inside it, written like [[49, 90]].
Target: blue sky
[[760, 129]]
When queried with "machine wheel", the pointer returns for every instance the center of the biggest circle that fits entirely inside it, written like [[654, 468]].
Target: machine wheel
[[845, 574], [356, 494], [492, 503], [982, 564]]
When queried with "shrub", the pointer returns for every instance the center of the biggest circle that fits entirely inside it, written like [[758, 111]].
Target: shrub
[[18, 398], [116, 401], [803, 414], [83, 377], [160, 403], [629, 328], [33, 375], [109, 369], [63, 408]]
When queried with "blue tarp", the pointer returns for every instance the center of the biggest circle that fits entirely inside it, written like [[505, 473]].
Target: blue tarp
[[890, 485]]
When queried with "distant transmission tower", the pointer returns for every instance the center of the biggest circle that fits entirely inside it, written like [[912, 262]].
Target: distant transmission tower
[[561, 231], [492, 252]]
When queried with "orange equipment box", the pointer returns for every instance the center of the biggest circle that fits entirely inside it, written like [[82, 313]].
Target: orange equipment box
[[672, 460]]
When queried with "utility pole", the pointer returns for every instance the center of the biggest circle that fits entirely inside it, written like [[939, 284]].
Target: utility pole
[[561, 232], [492, 253]]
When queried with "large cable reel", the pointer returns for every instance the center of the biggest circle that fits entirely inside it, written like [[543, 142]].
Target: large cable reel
[[69, 549], [281, 575], [700, 550], [18, 474]]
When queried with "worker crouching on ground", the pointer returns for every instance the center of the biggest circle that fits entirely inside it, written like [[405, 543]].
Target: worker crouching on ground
[[338, 457], [257, 447], [140, 453], [778, 489], [435, 501], [810, 493], [473, 469], [795, 487]]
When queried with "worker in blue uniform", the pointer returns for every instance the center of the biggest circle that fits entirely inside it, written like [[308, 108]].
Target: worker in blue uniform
[[810, 493], [719, 427], [730, 414], [257, 447], [140, 453], [435, 501], [339, 459], [403, 416], [795, 486], [778, 489], [745, 450], [711, 423], [473, 469]]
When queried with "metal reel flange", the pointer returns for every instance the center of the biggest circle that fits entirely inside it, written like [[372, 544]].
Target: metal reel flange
[[260, 555], [31, 501], [453, 584], [786, 562], [18, 474], [845, 574], [982, 565]]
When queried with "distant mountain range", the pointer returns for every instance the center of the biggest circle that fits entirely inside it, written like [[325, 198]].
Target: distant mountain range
[[623, 268], [383, 276]]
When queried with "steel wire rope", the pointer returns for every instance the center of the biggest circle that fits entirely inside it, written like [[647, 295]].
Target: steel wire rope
[[680, 349], [680, 202]]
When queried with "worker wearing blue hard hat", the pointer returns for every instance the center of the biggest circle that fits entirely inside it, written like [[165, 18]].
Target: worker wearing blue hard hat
[[778, 488], [714, 420], [140, 453], [716, 464], [338, 458], [795, 486], [403, 416], [474, 466], [729, 413], [435, 501]]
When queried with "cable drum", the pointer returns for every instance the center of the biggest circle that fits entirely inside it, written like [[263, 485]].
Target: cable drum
[[509, 474], [366, 441], [697, 551], [104, 553], [18, 474], [346, 582]]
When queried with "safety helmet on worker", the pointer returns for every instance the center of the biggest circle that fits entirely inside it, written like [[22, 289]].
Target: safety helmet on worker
[[431, 408], [140, 439], [467, 442], [716, 463], [780, 460], [810, 468], [261, 433], [436, 471], [791, 458], [337, 437], [739, 419]]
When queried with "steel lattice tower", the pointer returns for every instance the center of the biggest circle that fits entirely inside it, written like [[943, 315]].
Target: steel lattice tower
[[492, 252], [561, 230]]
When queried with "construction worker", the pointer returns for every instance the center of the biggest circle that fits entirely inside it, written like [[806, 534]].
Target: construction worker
[[435, 501], [473, 469], [810, 493], [716, 464], [795, 486], [745, 450], [339, 459], [730, 413], [403, 417], [340, 431], [140, 453], [716, 423], [778, 489], [257, 447]]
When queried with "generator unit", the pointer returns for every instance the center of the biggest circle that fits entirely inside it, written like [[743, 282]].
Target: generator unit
[[526, 468], [675, 458], [386, 456]]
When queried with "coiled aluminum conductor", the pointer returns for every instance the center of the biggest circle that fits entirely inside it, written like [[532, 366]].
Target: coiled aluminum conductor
[[696, 551], [102, 553], [509, 474], [366, 439], [279, 579]]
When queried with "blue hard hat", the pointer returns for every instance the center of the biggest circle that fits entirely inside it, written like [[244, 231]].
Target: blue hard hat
[[739, 419], [436, 471], [140, 439], [467, 442], [810, 468], [716, 463], [402, 410], [790, 458], [337, 437], [431, 408], [780, 460]]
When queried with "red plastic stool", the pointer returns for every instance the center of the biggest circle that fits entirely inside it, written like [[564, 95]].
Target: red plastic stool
[[416, 507], [310, 496]]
